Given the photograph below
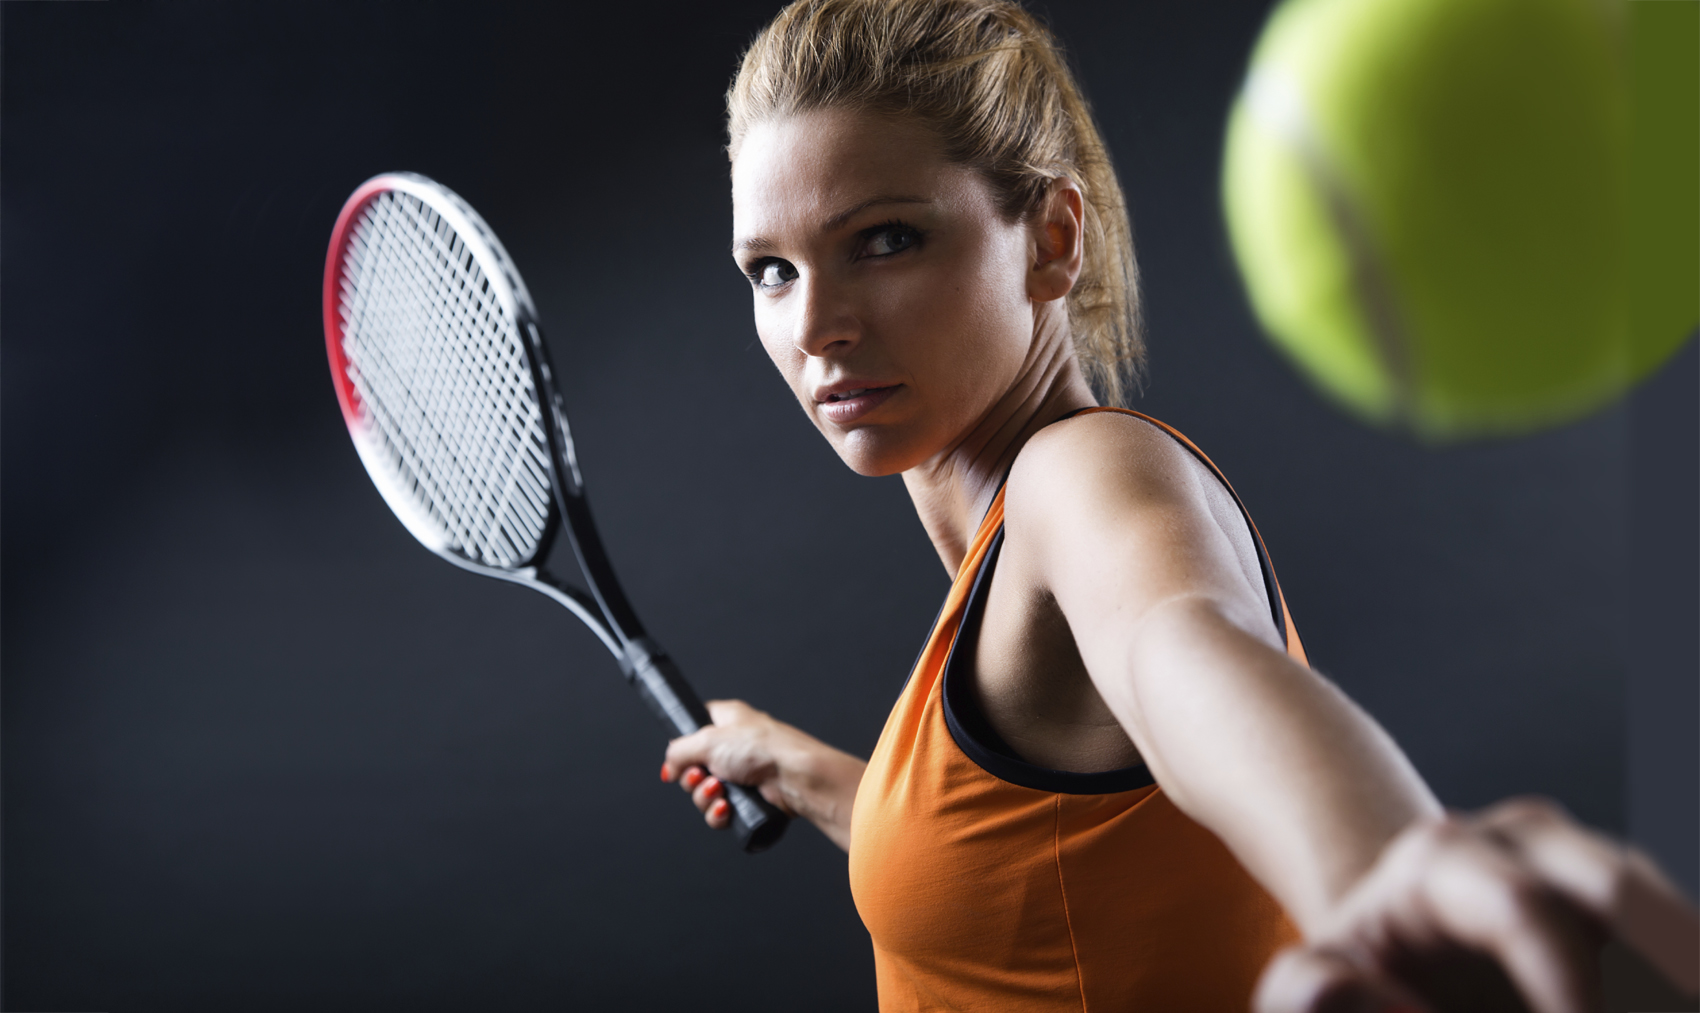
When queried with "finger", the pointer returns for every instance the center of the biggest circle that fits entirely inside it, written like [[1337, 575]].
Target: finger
[[1314, 979], [1583, 865], [670, 773], [719, 814], [707, 791], [1658, 922], [1482, 898], [1619, 885], [691, 750]]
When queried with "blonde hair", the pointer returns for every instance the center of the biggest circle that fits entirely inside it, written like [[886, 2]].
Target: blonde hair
[[992, 83]]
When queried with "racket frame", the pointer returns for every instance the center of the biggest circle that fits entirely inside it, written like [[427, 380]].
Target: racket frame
[[605, 608]]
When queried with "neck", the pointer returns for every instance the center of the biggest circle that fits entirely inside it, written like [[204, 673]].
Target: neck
[[953, 489]]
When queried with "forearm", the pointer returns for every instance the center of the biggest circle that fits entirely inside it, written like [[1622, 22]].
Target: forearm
[[819, 783], [1299, 782]]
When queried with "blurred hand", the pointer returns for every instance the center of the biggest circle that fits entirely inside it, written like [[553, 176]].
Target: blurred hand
[[793, 770], [1505, 909]]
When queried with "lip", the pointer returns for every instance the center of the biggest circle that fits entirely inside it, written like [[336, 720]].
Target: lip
[[866, 396]]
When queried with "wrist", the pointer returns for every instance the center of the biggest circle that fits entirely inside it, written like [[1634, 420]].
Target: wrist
[[818, 781]]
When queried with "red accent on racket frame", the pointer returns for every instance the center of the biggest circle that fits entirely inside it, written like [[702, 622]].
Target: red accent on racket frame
[[346, 395]]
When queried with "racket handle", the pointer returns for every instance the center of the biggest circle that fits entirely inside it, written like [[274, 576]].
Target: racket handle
[[757, 822]]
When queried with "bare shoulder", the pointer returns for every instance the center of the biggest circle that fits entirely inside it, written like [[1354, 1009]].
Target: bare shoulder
[[1098, 463], [1108, 493]]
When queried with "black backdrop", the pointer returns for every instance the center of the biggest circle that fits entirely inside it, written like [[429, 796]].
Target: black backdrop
[[263, 752]]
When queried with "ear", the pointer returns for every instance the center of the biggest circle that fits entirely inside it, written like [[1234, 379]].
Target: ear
[[1056, 237]]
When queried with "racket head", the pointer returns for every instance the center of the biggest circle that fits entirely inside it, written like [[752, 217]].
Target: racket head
[[439, 368]]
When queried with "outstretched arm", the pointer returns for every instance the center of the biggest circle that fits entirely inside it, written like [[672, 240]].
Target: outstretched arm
[[1146, 556], [1402, 907]]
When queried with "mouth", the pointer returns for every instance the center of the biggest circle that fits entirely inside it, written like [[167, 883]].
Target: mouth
[[851, 395], [844, 406]]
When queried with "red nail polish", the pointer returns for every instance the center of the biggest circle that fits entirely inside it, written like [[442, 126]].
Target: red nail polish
[[718, 809], [666, 774], [713, 787], [692, 778]]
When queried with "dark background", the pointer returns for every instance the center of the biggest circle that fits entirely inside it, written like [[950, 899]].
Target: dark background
[[261, 751]]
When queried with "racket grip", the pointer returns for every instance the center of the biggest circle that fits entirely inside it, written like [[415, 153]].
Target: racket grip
[[757, 823]]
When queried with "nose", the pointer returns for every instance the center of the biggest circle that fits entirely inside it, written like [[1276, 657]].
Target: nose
[[826, 323]]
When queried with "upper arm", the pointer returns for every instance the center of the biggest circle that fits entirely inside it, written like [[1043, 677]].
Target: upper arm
[[1163, 594], [1122, 519]]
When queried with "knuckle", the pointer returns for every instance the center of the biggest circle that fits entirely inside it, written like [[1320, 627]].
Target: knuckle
[[1421, 844], [1530, 809], [1449, 842], [1437, 833], [1448, 829]]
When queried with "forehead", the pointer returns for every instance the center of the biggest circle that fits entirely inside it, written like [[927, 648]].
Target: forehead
[[798, 171]]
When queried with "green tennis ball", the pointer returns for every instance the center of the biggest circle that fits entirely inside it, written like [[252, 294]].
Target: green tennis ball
[[1430, 203], [1664, 191]]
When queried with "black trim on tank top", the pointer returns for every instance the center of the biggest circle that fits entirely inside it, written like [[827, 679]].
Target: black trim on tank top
[[980, 742], [1271, 587], [973, 732], [922, 653], [910, 673]]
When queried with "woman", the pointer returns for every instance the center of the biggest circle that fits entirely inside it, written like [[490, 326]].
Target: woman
[[1111, 779]]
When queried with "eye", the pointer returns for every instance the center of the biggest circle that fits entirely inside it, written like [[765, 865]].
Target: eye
[[892, 237], [772, 273]]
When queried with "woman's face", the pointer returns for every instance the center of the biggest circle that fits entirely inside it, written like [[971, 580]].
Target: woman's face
[[889, 290]]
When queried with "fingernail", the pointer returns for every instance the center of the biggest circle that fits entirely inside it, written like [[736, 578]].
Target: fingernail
[[718, 809], [666, 773], [692, 778], [712, 787]]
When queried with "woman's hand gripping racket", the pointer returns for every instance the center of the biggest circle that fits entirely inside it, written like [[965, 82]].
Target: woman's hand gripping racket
[[446, 387]]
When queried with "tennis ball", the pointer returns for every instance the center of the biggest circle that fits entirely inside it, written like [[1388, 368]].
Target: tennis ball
[[1664, 192], [1430, 202]]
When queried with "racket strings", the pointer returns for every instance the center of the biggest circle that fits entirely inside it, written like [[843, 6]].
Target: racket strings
[[443, 378], [448, 398], [453, 398]]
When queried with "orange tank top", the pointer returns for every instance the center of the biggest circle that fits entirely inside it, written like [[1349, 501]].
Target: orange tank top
[[988, 883]]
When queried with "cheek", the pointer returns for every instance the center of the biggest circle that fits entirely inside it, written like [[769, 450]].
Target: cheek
[[971, 322], [772, 329]]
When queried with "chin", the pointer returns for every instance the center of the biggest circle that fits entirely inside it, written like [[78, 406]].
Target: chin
[[873, 453]]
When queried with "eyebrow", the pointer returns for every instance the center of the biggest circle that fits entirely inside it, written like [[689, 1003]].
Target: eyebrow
[[758, 244]]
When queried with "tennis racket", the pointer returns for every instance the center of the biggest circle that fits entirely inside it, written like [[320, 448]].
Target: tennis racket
[[446, 386]]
